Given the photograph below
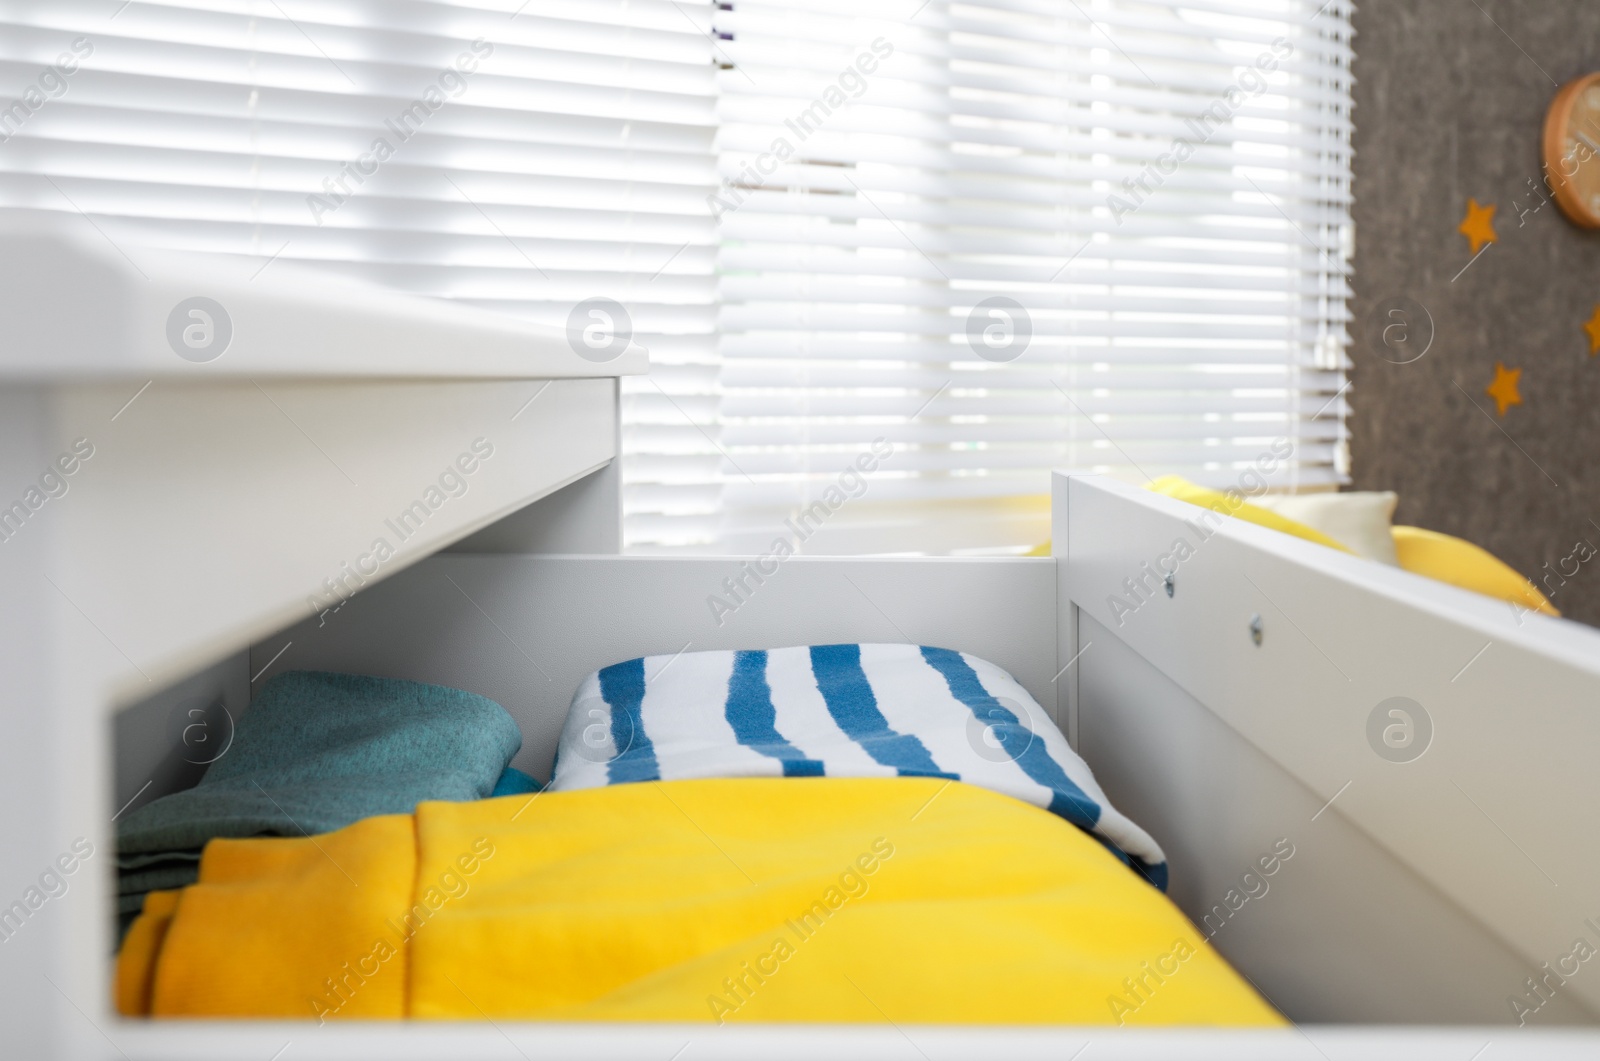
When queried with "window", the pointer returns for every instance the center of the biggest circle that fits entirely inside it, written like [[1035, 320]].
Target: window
[[1023, 234], [1004, 236]]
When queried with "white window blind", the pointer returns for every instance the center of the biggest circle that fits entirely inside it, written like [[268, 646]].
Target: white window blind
[[1187, 306], [535, 155]]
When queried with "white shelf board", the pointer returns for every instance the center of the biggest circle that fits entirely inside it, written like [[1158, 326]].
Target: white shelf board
[[74, 305]]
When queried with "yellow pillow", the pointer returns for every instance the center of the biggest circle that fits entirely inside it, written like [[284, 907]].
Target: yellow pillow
[[1422, 552], [1175, 486], [1460, 563], [1181, 489]]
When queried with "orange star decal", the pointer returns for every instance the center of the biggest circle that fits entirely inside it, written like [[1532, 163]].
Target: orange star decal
[[1478, 225], [1593, 328], [1505, 389]]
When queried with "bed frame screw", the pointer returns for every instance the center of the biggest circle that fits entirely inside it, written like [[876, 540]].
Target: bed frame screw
[[1171, 582], [1255, 629]]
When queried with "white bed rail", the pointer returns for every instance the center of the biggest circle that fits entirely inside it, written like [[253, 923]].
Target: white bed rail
[[1429, 752]]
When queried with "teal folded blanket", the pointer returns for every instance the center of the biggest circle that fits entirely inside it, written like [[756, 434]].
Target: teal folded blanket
[[515, 783], [314, 753]]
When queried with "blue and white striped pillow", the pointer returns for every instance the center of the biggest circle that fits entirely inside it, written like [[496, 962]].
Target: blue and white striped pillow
[[835, 711]]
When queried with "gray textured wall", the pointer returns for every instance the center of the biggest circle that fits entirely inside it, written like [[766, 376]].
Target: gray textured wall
[[1449, 106]]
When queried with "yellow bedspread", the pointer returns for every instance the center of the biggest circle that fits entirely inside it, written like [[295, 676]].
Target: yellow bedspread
[[794, 899]]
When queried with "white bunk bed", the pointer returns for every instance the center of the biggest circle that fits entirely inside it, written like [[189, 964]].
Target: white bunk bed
[[1419, 896]]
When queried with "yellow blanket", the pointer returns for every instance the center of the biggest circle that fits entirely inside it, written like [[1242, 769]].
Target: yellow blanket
[[759, 899]]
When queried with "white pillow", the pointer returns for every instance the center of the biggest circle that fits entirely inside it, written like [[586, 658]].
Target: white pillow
[[1362, 520]]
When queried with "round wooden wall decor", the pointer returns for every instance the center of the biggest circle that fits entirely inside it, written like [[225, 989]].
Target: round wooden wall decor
[[1572, 150]]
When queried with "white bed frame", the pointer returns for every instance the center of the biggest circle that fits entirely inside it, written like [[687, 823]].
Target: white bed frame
[[176, 570]]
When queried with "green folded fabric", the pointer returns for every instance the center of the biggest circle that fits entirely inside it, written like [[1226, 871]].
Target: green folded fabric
[[133, 886], [156, 858], [314, 753]]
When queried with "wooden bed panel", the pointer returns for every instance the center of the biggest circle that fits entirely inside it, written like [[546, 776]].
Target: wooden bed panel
[[1493, 815], [1341, 931], [211, 514], [524, 630], [502, 1041]]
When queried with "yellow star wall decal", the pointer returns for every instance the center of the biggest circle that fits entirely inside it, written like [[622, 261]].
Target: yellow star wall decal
[[1478, 225], [1593, 328], [1505, 389]]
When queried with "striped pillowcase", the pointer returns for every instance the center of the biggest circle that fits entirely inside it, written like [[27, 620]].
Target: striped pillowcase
[[867, 710]]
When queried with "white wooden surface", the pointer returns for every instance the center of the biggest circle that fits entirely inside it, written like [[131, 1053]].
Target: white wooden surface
[[75, 306], [524, 630], [38, 752], [1344, 932], [1493, 819], [210, 1041], [212, 513]]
